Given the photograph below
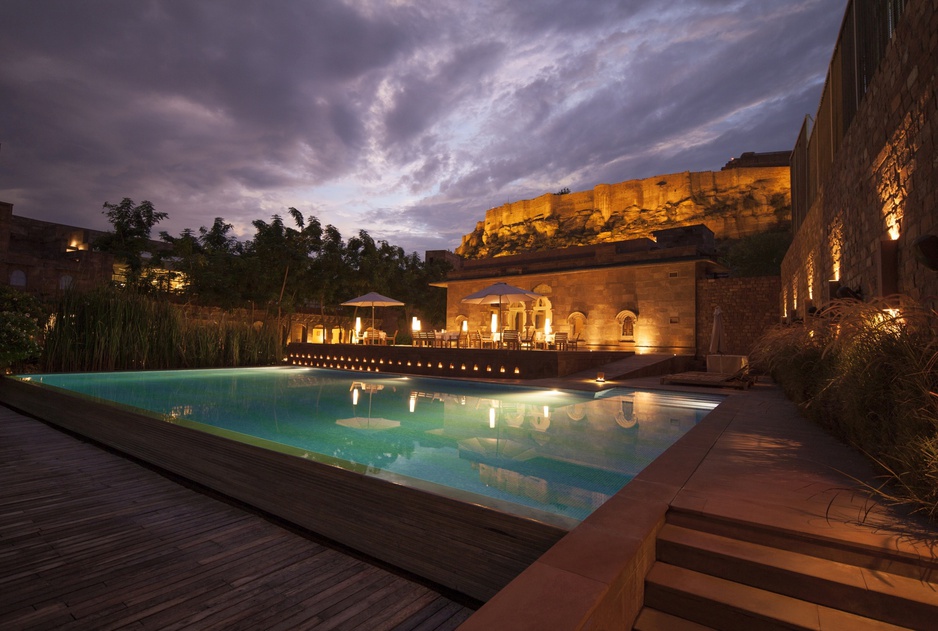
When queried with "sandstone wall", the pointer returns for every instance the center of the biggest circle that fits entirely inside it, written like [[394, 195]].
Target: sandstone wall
[[733, 203], [884, 174], [749, 306], [662, 295]]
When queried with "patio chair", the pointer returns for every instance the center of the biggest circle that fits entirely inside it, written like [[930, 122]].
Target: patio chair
[[392, 340], [463, 340], [527, 340], [510, 340], [560, 341], [487, 341], [475, 340], [572, 344]]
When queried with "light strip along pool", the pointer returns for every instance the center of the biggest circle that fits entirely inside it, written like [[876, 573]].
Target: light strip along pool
[[552, 456]]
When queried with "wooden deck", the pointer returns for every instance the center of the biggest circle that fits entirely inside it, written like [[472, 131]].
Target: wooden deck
[[91, 540]]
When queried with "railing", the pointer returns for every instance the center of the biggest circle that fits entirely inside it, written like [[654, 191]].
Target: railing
[[865, 34]]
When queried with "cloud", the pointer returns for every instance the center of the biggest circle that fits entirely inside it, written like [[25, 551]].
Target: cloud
[[406, 118]]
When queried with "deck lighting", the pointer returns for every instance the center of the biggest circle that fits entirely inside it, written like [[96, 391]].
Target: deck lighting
[[600, 377]]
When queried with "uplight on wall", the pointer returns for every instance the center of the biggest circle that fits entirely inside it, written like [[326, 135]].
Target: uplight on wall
[[600, 377]]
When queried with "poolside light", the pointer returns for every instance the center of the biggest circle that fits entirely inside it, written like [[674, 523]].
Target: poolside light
[[492, 418], [600, 377], [413, 401], [354, 396]]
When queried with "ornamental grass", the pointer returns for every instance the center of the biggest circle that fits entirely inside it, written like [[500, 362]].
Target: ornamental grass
[[109, 329], [867, 372]]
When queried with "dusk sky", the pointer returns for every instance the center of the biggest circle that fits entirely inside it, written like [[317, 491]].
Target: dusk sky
[[407, 118]]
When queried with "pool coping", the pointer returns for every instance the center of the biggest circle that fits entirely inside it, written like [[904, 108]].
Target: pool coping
[[594, 577], [466, 547], [594, 572]]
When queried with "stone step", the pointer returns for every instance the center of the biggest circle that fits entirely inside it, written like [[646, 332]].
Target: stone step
[[874, 594], [728, 606], [877, 557], [654, 620]]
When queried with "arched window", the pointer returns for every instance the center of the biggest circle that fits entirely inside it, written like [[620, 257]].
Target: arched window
[[18, 278], [576, 322], [542, 312], [626, 320]]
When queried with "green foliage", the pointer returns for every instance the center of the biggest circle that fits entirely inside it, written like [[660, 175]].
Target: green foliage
[[130, 238], [109, 329], [756, 255], [867, 373], [20, 330], [306, 267]]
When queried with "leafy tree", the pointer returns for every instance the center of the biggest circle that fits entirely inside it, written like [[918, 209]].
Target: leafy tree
[[131, 235], [20, 330]]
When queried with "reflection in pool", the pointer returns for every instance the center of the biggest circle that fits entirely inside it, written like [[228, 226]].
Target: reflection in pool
[[545, 454]]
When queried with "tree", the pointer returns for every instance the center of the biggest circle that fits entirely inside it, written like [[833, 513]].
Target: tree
[[131, 236], [20, 331]]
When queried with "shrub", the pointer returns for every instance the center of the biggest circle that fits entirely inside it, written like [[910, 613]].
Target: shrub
[[866, 371], [20, 330]]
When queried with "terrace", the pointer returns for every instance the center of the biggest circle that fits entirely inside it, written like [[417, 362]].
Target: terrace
[[754, 473]]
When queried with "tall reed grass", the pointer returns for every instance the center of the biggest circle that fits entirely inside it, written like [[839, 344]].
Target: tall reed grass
[[108, 329], [867, 372]]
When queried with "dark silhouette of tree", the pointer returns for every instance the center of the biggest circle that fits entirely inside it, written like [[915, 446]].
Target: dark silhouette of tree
[[130, 239]]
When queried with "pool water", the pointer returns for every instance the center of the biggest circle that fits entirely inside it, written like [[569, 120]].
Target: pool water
[[538, 453]]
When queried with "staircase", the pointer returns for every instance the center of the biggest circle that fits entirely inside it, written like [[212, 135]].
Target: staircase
[[720, 573]]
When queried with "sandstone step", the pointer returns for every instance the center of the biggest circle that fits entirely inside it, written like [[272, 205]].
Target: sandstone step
[[728, 606], [874, 557], [654, 620], [873, 594]]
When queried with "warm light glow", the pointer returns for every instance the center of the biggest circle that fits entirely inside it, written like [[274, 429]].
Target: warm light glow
[[354, 396], [893, 230], [492, 418], [547, 326], [600, 377], [358, 325], [836, 243], [546, 412], [494, 323], [809, 270], [465, 326], [413, 402]]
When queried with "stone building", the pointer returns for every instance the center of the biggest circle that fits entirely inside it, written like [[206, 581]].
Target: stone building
[[44, 258], [865, 174], [641, 295]]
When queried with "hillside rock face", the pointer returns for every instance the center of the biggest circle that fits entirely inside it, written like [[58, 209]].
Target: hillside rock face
[[733, 203]]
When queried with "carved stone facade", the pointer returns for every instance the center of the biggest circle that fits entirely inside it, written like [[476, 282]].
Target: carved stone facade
[[637, 295], [734, 202], [44, 258]]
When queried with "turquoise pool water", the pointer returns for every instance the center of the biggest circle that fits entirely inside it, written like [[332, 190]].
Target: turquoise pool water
[[533, 452]]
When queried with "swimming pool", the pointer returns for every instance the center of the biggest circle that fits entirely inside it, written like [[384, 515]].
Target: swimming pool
[[553, 456]]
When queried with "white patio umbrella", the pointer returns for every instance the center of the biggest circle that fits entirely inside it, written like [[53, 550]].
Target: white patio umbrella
[[372, 300], [498, 292], [717, 336]]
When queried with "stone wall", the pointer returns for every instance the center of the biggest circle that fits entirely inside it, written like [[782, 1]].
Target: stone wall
[[749, 306], [660, 294], [733, 203], [44, 258], [883, 182]]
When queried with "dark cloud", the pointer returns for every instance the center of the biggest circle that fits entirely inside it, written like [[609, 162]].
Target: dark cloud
[[409, 119]]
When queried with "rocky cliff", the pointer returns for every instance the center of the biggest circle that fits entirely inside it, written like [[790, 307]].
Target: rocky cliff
[[733, 203]]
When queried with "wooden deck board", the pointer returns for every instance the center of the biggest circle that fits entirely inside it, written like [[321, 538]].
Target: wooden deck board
[[90, 540]]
